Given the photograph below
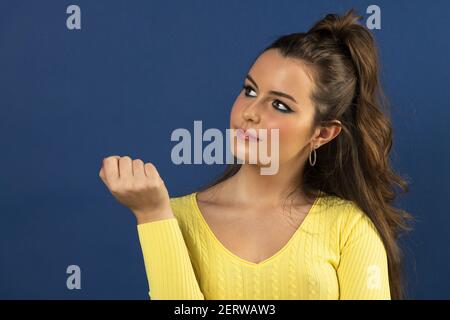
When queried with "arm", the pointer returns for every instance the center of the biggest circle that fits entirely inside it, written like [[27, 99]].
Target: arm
[[169, 270], [140, 188], [363, 267]]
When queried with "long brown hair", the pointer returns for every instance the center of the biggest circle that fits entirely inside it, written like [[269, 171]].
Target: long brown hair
[[342, 57]]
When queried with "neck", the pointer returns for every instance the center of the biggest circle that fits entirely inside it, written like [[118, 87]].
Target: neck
[[248, 185]]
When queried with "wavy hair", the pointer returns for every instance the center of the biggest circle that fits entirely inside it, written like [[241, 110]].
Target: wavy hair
[[342, 57]]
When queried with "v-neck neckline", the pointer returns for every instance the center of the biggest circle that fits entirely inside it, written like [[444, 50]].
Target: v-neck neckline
[[242, 260]]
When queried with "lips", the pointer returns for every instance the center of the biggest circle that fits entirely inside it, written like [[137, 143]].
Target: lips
[[246, 135]]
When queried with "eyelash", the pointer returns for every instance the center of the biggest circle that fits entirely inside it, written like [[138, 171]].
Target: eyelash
[[289, 110]]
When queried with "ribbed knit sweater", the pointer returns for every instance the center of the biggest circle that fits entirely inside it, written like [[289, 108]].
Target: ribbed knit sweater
[[336, 253]]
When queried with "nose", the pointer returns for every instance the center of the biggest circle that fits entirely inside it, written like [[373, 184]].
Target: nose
[[251, 113]]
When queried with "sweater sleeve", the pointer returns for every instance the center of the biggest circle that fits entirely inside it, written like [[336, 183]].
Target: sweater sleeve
[[363, 267], [168, 266]]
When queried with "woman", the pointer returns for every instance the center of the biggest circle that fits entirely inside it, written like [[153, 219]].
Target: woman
[[232, 239]]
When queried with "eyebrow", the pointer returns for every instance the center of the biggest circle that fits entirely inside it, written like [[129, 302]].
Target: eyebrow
[[277, 93]]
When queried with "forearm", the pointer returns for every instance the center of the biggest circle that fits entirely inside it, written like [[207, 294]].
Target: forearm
[[169, 270]]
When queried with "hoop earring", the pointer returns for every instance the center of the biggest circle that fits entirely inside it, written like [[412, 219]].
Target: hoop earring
[[315, 156]]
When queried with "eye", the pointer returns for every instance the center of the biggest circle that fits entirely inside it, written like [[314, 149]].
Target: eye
[[286, 108], [247, 88], [276, 103]]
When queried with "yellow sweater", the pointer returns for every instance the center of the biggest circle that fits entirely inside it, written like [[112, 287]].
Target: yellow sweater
[[336, 253]]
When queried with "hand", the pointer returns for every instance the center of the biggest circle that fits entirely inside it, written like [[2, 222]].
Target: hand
[[137, 186]]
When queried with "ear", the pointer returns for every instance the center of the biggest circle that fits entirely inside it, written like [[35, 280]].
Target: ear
[[326, 133]]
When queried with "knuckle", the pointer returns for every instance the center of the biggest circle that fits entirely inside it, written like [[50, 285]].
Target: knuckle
[[149, 164], [150, 167], [138, 163], [111, 158]]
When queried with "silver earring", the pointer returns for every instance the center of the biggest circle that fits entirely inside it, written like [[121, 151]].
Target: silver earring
[[315, 156]]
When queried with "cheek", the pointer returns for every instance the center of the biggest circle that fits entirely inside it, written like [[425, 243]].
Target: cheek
[[287, 128], [292, 135], [292, 130], [236, 111]]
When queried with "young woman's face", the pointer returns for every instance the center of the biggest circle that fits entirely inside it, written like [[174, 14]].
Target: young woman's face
[[257, 108]]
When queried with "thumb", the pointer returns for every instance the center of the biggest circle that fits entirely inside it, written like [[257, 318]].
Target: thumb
[[102, 174]]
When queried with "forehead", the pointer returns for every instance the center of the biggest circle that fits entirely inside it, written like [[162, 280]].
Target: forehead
[[272, 71]]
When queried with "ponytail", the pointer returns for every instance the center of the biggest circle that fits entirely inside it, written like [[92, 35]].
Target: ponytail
[[342, 57]]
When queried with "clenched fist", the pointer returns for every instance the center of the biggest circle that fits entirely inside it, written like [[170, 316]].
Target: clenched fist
[[137, 186]]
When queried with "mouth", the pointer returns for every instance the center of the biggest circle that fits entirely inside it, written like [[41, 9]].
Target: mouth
[[246, 135]]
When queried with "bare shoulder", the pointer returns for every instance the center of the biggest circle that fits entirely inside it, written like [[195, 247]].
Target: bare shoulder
[[211, 195]]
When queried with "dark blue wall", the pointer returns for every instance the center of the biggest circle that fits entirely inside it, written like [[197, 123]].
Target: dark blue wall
[[139, 69]]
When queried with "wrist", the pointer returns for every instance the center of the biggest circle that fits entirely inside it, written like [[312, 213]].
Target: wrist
[[146, 217]]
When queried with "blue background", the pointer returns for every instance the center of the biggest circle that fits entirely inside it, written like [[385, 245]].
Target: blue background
[[136, 71]]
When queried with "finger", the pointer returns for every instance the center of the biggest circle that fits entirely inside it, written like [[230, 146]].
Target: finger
[[111, 168], [138, 168], [125, 167], [150, 170], [102, 174]]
